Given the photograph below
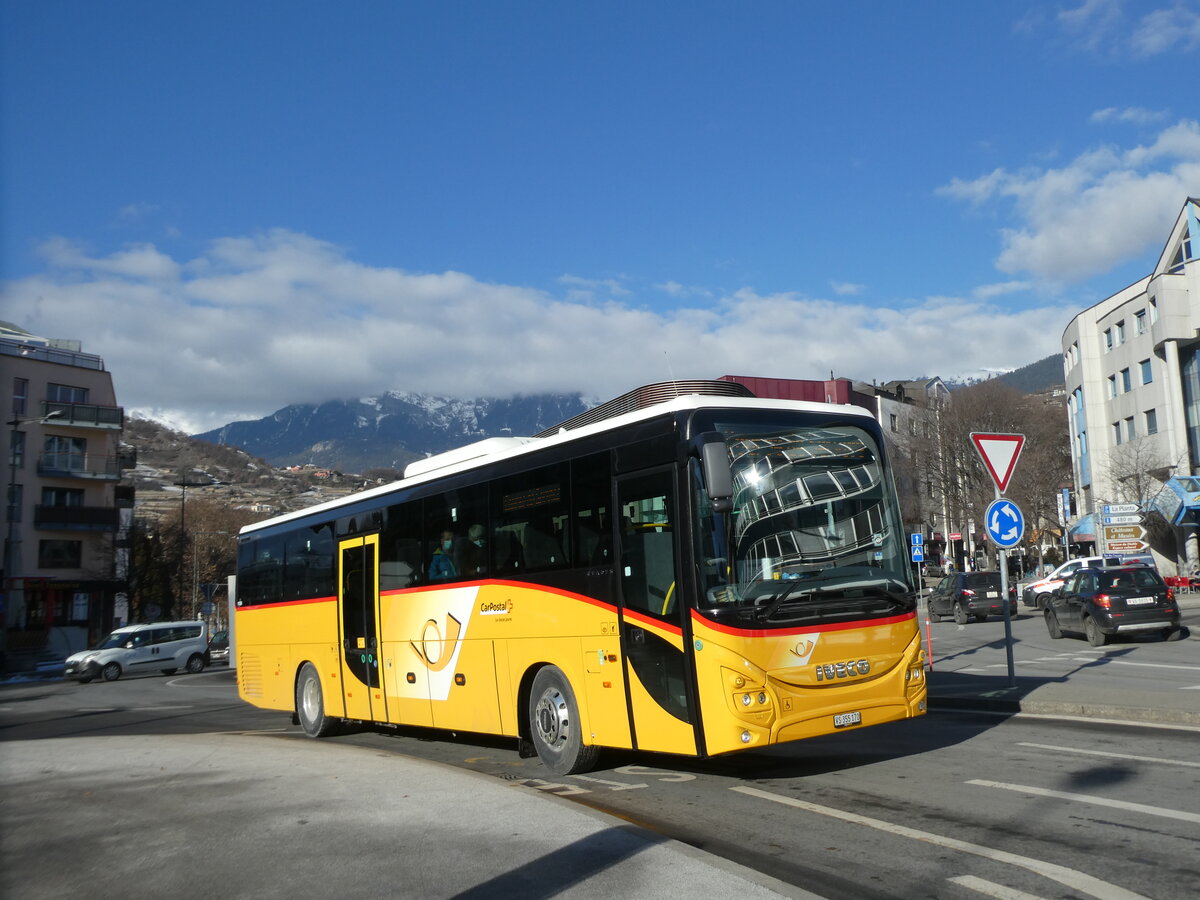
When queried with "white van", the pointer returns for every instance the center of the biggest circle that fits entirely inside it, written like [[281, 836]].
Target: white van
[[165, 646], [1037, 592]]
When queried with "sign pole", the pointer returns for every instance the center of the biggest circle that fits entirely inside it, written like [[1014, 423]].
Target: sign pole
[[1003, 520]]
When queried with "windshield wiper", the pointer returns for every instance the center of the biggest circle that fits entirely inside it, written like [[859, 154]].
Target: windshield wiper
[[848, 605]]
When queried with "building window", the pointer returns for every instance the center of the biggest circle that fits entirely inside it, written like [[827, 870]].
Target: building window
[[1108, 344], [1153, 310], [1116, 429], [1126, 381], [1130, 429], [60, 554], [1120, 335], [65, 393], [1147, 374], [16, 449], [16, 493], [1151, 422], [1112, 386], [894, 422], [20, 396], [52, 496], [1139, 321]]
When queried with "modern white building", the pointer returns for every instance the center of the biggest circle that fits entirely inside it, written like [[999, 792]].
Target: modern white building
[[1132, 367]]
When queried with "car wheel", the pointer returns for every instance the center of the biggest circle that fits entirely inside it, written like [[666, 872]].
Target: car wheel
[[310, 705], [195, 664], [1052, 625], [933, 617], [111, 672], [1173, 634], [1095, 636], [554, 724], [168, 671], [960, 614]]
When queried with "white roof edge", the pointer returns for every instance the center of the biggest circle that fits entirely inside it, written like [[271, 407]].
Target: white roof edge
[[486, 447], [521, 446]]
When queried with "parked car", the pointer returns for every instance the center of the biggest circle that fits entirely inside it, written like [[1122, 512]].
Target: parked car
[[969, 594], [1104, 602], [165, 646], [1036, 593], [218, 647]]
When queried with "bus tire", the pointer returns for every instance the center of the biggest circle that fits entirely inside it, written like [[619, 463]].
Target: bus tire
[[554, 725], [310, 704]]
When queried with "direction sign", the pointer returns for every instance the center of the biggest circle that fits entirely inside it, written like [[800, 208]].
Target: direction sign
[[917, 538], [1122, 520], [1004, 523], [1125, 546], [999, 453], [1124, 532], [1113, 509]]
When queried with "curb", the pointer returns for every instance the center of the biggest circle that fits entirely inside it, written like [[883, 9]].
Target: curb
[[1135, 714]]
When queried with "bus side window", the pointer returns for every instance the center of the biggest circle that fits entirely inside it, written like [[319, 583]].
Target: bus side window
[[400, 549], [591, 479]]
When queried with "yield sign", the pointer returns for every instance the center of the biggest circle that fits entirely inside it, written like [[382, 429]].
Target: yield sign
[[999, 453]]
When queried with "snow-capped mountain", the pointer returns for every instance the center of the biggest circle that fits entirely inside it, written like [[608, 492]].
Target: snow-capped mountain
[[390, 430]]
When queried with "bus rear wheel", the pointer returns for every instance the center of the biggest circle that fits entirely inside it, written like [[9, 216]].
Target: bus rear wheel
[[554, 725], [310, 704]]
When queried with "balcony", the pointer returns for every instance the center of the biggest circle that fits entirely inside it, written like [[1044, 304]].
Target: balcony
[[75, 518], [84, 415], [79, 465]]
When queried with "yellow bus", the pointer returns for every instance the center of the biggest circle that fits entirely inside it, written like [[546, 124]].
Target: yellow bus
[[685, 569]]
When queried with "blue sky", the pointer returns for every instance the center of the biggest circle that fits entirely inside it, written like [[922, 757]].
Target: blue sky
[[244, 205]]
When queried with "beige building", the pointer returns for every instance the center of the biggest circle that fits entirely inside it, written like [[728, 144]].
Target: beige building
[[1132, 366], [67, 513]]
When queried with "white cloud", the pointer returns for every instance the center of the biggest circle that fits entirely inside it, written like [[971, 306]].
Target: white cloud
[[259, 322], [1135, 115], [1105, 28], [1104, 207], [847, 288], [1164, 29]]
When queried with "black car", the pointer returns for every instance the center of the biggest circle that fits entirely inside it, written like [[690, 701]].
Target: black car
[[1106, 602], [969, 594]]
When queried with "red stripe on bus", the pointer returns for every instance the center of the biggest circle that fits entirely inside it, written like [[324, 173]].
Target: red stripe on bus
[[497, 582], [838, 626]]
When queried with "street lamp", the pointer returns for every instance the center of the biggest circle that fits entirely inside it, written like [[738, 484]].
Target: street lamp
[[12, 558]]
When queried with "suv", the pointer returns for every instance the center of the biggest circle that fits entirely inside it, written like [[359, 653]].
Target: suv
[[1105, 602], [967, 594], [165, 646], [1036, 593]]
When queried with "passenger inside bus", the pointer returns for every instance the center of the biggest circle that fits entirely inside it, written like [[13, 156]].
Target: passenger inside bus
[[441, 565]]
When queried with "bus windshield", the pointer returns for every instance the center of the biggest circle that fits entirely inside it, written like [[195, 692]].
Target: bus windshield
[[814, 532]]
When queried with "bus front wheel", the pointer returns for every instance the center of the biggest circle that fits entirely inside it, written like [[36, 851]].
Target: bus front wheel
[[554, 724], [310, 704]]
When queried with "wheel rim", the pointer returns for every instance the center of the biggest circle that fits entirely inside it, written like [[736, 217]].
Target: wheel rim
[[551, 718], [310, 700], [112, 672]]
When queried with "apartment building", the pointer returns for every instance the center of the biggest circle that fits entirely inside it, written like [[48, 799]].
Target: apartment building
[[1132, 367], [67, 512]]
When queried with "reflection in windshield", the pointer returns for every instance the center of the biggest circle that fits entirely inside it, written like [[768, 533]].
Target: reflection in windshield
[[116, 639], [814, 523]]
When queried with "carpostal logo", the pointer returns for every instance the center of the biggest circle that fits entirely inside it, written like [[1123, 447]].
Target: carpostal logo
[[495, 608], [804, 647]]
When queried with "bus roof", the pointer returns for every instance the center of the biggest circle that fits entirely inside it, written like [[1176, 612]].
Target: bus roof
[[472, 456]]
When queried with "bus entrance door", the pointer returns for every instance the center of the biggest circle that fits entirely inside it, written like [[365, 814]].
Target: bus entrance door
[[652, 614], [358, 609]]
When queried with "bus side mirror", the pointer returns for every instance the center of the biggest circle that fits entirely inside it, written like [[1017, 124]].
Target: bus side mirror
[[718, 477]]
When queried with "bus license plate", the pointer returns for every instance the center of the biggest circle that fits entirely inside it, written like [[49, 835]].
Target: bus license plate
[[841, 720]]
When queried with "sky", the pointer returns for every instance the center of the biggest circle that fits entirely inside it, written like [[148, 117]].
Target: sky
[[240, 206]]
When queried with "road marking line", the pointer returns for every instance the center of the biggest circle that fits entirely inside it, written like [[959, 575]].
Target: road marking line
[[1078, 881], [1158, 760], [991, 889], [1125, 662], [1097, 801]]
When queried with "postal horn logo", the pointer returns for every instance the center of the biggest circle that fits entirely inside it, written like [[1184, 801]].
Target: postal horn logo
[[804, 648]]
